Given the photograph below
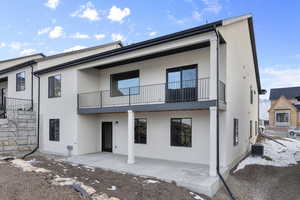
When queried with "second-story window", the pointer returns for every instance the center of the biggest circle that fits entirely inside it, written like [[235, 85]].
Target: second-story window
[[54, 86], [20, 81], [126, 83]]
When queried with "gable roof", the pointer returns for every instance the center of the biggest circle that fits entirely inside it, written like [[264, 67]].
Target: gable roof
[[163, 39], [79, 51], [12, 59], [288, 92]]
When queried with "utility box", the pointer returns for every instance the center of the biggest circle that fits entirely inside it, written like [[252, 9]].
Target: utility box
[[257, 150]]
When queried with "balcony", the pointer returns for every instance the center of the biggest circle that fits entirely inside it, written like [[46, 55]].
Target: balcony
[[191, 94]]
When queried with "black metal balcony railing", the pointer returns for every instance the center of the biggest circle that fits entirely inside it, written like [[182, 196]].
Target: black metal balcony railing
[[172, 92]]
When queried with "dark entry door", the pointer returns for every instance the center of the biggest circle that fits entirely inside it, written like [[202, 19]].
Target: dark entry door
[[2, 98], [181, 84], [107, 136]]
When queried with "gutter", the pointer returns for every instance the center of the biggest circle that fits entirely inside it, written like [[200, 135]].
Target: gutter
[[218, 123], [38, 125]]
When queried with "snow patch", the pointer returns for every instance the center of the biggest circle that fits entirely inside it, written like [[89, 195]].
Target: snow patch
[[196, 196], [112, 188], [281, 156], [151, 181], [27, 167]]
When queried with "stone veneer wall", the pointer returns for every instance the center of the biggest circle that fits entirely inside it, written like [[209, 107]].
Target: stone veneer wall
[[18, 132]]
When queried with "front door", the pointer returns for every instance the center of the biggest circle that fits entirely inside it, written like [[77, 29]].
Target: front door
[[107, 136]]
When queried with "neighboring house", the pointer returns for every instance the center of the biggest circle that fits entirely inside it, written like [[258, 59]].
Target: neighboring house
[[16, 75], [285, 107], [16, 80], [157, 98]]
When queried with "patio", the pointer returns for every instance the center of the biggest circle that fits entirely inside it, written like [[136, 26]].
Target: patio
[[192, 176]]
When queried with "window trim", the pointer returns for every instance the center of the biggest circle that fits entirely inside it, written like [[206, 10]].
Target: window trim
[[185, 67], [136, 133], [116, 74], [251, 128], [49, 96], [235, 131], [191, 137], [50, 138], [18, 89]]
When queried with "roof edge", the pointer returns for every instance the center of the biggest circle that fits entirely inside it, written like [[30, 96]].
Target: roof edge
[[12, 59], [136, 46], [78, 51]]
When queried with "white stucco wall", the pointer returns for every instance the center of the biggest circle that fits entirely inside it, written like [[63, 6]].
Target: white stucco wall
[[240, 76], [158, 135]]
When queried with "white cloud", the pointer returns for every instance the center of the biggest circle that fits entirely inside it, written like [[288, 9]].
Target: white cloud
[[27, 51], [17, 45], [56, 32], [44, 31], [280, 76], [80, 36], [99, 36], [212, 6], [117, 37], [153, 33], [2, 44], [87, 11], [52, 4], [75, 48], [117, 14]]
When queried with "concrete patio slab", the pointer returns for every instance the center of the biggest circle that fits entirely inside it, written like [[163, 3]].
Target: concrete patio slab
[[192, 176]]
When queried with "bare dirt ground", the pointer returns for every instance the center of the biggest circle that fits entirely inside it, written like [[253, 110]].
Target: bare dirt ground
[[258, 182], [18, 185]]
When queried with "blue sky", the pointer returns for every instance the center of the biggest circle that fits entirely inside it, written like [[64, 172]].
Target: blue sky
[[54, 26]]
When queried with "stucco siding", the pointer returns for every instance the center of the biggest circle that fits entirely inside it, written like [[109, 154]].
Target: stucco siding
[[240, 77], [158, 135]]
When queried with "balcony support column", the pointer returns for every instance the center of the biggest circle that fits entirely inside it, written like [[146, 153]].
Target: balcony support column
[[213, 141], [213, 69], [131, 158]]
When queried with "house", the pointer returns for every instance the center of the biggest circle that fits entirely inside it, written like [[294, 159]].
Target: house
[[168, 98], [17, 82], [285, 107]]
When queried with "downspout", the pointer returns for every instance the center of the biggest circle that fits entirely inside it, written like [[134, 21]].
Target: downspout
[[32, 87], [218, 123], [38, 122]]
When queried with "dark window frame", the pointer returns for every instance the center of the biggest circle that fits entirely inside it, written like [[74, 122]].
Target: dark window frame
[[19, 86], [235, 132], [120, 75], [173, 135], [251, 95], [138, 136], [51, 94], [180, 69], [54, 132], [256, 128], [251, 128]]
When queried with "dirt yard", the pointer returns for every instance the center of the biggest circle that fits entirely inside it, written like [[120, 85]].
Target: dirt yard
[[18, 185], [258, 182]]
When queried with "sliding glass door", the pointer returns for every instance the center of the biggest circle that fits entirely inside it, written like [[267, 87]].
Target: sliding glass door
[[181, 84]]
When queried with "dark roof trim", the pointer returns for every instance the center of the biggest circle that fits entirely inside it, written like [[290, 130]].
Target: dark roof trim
[[253, 44], [38, 54], [148, 43], [18, 66], [79, 51]]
